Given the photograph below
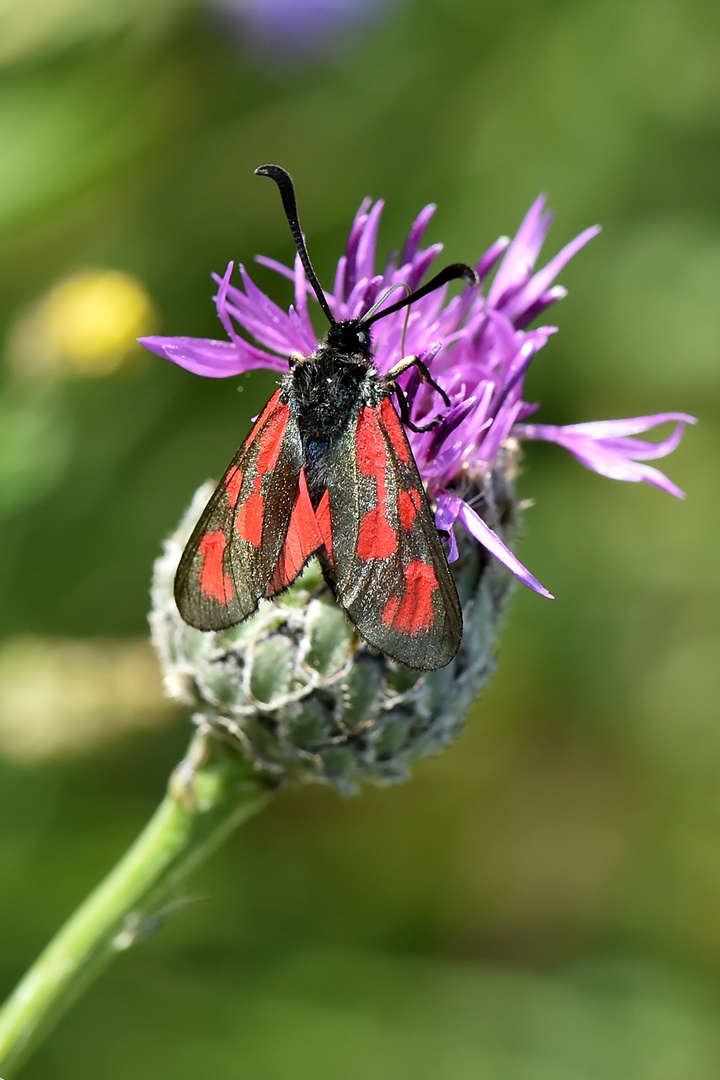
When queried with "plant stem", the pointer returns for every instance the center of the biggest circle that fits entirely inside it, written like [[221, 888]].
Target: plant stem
[[210, 792]]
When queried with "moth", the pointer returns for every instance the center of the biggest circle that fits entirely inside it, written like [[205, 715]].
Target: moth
[[327, 471]]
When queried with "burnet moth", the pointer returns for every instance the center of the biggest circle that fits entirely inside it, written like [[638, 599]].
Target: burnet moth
[[327, 470]]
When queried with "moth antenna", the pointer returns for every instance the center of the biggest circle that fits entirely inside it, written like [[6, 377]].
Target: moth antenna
[[450, 273], [287, 194], [381, 300]]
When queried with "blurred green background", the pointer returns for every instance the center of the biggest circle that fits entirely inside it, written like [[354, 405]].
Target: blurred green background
[[543, 901]]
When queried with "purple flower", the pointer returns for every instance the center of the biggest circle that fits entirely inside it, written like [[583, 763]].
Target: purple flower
[[477, 346], [295, 29]]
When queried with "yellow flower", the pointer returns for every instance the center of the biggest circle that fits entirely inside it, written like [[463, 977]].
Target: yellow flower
[[86, 324]]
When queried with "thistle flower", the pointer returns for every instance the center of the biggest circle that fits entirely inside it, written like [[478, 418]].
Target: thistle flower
[[479, 348]]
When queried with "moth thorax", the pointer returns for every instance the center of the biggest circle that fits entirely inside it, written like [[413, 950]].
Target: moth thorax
[[326, 389]]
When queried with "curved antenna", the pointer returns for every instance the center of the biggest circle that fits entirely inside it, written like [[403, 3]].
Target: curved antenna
[[287, 194], [450, 273], [381, 300]]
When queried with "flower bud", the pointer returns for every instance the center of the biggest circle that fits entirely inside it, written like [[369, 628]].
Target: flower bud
[[304, 695]]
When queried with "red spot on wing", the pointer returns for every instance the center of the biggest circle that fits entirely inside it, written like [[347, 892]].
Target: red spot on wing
[[304, 537], [322, 516], [412, 611], [233, 484], [262, 418], [395, 431], [271, 439], [371, 453], [251, 512], [214, 582], [408, 505], [377, 538], [249, 519]]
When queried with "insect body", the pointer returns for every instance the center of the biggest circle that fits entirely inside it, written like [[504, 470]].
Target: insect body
[[327, 470]]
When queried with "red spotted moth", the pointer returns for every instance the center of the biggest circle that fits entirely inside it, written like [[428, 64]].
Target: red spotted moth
[[327, 470]]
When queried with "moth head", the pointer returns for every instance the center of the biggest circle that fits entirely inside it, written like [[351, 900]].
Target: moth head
[[349, 337]]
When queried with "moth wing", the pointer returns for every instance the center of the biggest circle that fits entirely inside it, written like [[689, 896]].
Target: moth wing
[[384, 554], [303, 538], [229, 561]]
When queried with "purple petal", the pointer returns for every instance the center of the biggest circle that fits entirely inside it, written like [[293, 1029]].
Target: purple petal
[[356, 232], [522, 253], [278, 268], [501, 426], [307, 336], [446, 512], [361, 298], [634, 425], [301, 295], [599, 459], [604, 446], [541, 281], [445, 518], [261, 317], [490, 540], [411, 274], [529, 409], [365, 258], [557, 292], [450, 422], [339, 289], [451, 548], [417, 230], [214, 359], [491, 256]]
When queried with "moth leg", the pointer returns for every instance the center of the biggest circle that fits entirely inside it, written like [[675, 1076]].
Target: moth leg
[[414, 361], [405, 364], [405, 414]]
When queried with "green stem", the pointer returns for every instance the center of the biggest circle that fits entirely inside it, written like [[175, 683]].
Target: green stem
[[210, 792]]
